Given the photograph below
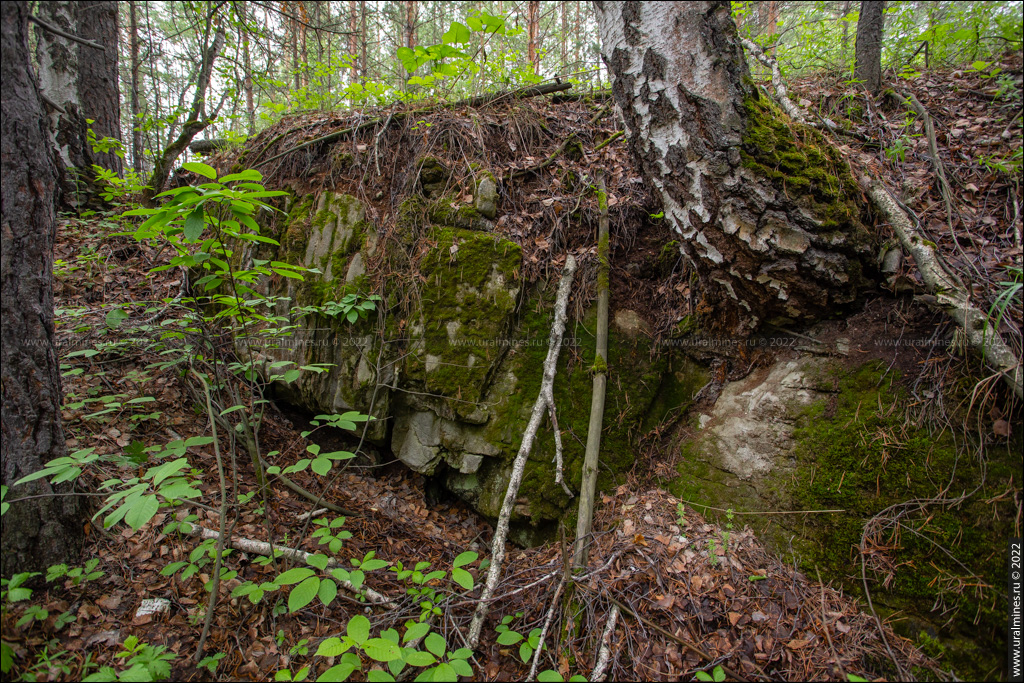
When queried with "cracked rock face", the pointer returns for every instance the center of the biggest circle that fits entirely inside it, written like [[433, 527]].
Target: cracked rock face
[[750, 429], [742, 453]]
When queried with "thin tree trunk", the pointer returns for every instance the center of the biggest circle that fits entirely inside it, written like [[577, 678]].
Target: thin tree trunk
[[771, 225], [198, 120], [137, 148], [870, 27], [410, 23], [363, 39], [588, 487], [250, 107], [47, 530], [533, 31], [543, 405], [353, 38]]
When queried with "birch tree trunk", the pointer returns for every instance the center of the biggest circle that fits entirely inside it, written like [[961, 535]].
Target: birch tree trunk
[[768, 212], [44, 529]]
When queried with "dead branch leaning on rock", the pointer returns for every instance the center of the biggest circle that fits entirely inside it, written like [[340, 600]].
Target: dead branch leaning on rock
[[540, 407], [952, 298]]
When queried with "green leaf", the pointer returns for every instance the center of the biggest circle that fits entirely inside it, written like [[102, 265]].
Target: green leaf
[[419, 658], [341, 672], [328, 591], [141, 511], [461, 667], [458, 33], [444, 672], [115, 318], [417, 630], [194, 224], [319, 561], [382, 650], [509, 638], [550, 676], [303, 594], [321, 466], [465, 558], [378, 676], [247, 174], [524, 652], [201, 169], [332, 647], [436, 644], [294, 576], [463, 578], [358, 629]]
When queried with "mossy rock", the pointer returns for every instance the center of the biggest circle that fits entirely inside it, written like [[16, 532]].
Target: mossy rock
[[845, 446]]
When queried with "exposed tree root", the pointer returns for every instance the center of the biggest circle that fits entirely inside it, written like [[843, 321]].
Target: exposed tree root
[[543, 404], [471, 102], [950, 295]]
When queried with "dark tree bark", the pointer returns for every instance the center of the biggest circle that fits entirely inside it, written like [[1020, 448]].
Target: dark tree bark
[[47, 530], [768, 212], [137, 147], [869, 44], [98, 85]]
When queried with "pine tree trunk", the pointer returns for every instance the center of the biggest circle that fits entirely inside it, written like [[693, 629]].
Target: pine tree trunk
[[533, 31], [869, 44], [99, 89], [48, 529], [137, 148], [769, 213], [353, 38]]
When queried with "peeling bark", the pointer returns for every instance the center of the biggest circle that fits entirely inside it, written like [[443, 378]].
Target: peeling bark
[[767, 247]]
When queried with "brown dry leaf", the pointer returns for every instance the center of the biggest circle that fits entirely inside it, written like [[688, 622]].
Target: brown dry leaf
[[667, 602], [796, 644], [734, 617], [1001, 428], [109, 602]]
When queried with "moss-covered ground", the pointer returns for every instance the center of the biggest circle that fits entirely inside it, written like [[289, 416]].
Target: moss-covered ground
[[947, 586]]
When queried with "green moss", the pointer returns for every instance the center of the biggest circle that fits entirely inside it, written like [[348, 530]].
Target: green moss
[[634, 376], [469, 293], [802, 164], [857, 454]]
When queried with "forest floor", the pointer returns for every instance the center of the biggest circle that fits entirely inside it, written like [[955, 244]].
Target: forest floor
[[685, 609]]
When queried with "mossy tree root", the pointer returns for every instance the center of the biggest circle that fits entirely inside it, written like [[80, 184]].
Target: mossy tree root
[[543, 404], [951, 296], [588, 487]]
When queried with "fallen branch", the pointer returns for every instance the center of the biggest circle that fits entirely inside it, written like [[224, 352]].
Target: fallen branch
[[544, 630], [529, 434], [263, 548], [951, 297], [605, 653], [940, 169]]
